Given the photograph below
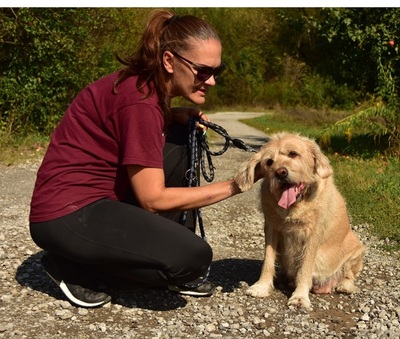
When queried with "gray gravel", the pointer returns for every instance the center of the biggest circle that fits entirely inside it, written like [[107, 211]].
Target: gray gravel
[[31, 306]]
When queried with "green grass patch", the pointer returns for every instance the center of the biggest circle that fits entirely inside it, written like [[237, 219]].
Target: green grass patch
[[273, 122], [369, 181], [17, 149], [371, 188]]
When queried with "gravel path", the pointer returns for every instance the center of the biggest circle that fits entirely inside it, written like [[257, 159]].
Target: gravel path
[[31, 306]]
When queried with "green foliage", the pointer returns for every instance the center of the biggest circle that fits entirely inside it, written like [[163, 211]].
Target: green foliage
[[355, 43], [47, 56], [287, 57], [362, 48], [378, 123]]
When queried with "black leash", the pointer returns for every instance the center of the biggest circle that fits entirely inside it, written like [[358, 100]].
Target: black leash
[[198, 149], [205, 150]]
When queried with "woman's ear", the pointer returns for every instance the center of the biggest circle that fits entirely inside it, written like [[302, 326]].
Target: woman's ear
[[168, 61]]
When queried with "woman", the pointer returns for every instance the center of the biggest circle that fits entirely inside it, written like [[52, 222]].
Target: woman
[[107, 199]]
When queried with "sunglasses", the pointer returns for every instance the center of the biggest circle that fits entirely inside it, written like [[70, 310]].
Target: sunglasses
[[203, 72]]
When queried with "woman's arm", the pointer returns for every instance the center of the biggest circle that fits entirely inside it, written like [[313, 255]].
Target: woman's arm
[[149, 188]]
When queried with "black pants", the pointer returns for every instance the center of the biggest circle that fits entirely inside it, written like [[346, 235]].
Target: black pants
[[121, 240]]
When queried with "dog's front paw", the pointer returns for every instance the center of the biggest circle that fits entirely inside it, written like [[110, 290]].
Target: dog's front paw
[[259, 290], [300, 301]]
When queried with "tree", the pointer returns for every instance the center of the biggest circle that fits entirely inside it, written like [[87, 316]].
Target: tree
[[48, 54], [361, 47]]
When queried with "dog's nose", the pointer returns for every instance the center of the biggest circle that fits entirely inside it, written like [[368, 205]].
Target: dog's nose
[[281, 173]]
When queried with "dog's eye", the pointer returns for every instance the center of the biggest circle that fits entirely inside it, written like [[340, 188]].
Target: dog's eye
[[269, 162], [293, 154]]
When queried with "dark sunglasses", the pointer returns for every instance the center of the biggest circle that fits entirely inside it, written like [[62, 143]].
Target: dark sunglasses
[[203, 72]]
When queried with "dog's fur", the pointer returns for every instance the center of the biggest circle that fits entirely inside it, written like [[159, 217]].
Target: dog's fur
[[311, 239]]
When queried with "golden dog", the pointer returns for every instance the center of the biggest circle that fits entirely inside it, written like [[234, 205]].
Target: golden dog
[[306, 223]]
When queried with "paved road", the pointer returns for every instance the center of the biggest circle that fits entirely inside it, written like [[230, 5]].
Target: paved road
[[236, 129]]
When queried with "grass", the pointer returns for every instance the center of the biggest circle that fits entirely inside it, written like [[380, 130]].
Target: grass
[[369, 181], [371, 188], [18, 149]]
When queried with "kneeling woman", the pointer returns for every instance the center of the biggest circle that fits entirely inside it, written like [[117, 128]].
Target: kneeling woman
[[109, 192]]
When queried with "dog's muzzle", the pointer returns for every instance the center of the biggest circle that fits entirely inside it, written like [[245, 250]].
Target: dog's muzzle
[[291, 192]]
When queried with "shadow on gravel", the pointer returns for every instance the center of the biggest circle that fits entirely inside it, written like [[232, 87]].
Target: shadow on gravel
[[231, 273], [31, 274], [227, 273]]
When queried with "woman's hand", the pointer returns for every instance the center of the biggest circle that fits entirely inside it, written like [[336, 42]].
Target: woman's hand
[[183, 114]]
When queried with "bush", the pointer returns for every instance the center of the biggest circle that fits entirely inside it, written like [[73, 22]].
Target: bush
[[362, 48], [48, 55], [316, 58]]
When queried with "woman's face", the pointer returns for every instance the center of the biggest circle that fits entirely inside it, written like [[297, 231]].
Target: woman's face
[[184, 75]]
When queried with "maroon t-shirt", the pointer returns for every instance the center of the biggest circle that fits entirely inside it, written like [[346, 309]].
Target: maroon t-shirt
[[100, 133]]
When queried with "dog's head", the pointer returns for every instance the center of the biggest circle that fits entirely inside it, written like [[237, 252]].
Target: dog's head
[[289, 162]]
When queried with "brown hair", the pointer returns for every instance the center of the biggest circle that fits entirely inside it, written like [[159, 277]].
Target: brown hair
[[164, 31]]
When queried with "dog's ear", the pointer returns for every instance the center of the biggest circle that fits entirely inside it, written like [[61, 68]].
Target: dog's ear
[[322, 165], [248, 172]]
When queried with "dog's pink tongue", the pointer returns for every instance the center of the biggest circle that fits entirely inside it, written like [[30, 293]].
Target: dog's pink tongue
[[288, 197]]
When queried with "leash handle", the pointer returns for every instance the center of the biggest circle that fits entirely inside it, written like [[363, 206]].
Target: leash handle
[[221, 131]]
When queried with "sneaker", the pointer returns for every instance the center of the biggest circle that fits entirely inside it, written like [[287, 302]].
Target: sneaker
[[77, 294], [206, 289]]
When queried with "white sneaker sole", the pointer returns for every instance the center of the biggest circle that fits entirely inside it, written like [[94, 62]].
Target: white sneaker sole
[[189, 292], [76, 301], [73, 299]]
